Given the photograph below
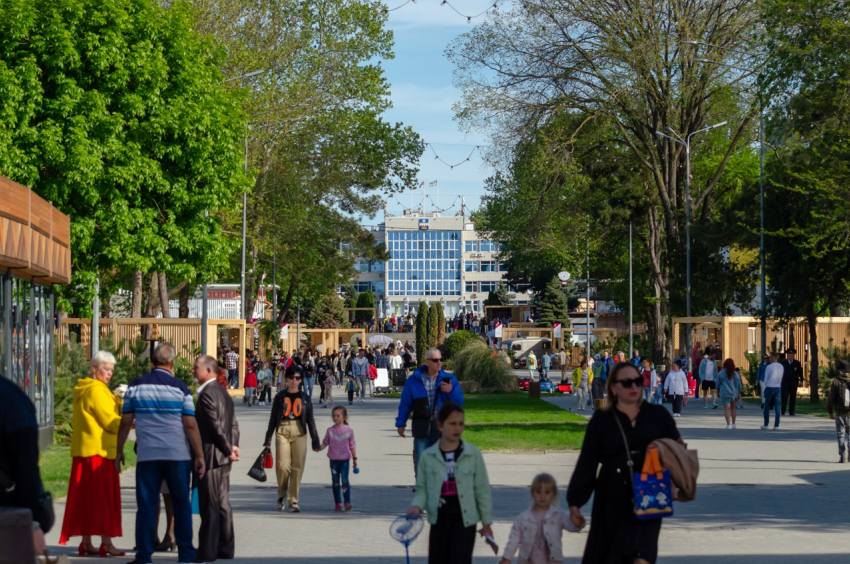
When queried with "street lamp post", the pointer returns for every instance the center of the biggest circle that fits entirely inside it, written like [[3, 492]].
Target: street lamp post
[[687, 144]]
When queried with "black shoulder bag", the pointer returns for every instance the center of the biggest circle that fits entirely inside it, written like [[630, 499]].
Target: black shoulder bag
[[45, 502]]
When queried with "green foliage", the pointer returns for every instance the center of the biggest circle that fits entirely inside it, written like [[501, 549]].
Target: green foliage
[[71, 365], [115, 112], [457, 341], [327, 313], [552, 304], [498, 298], [433, 326], [421, 330], [441, 324], [477, 362], [833, 353], [751, 372], [365, 299]]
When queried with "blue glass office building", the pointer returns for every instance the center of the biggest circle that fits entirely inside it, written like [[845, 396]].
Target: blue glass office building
[[424, 263]]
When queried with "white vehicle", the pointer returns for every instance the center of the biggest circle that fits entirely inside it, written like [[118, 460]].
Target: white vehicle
[[578, 337], [521, 346]]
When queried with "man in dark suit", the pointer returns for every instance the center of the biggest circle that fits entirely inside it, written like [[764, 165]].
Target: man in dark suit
[[220, 438], [792, 377]]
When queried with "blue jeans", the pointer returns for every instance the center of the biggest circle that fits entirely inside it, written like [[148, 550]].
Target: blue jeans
[[420, 446], [545, 373], [647, 394], [774, 394], [233, 378], [339, 481], [149, 478], [308, 387]]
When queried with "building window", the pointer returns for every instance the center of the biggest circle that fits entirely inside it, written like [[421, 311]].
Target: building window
[[471, 286], [503, 267], [426, 268], [488, 266], [487, 246], [489, 286], [470, 266], [470, 246]]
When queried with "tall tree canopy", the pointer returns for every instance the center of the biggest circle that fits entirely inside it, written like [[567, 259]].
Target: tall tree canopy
[[115, 111]]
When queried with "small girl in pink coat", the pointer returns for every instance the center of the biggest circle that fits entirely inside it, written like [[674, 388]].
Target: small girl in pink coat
[[339, 440]]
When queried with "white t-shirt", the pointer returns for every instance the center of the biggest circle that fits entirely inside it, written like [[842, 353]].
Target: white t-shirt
[[773, 375]]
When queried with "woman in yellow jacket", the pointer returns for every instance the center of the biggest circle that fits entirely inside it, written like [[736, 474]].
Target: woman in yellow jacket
[[94, 491]]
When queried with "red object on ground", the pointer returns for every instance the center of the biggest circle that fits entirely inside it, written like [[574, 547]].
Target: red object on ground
[[692, 384], [565, 387], [94, 499]]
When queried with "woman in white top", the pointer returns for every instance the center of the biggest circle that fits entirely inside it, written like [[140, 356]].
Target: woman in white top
[[676, 386]]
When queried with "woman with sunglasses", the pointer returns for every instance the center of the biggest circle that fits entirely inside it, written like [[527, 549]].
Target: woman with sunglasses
[[617, 536], [290, 421]]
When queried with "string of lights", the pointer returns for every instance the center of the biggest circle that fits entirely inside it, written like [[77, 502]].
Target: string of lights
[[448, 164], [469, 18]]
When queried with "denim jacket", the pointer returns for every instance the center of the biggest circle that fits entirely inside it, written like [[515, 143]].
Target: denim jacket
[[473, 485]]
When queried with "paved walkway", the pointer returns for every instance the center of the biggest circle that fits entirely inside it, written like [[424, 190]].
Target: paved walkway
[[764, 496]]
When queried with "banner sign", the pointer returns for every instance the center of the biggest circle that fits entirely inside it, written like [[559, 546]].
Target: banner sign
[[557, 330], [498, 331], [284, 331]]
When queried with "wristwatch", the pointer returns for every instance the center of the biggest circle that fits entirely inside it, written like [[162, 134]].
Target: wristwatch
[[36, 526]]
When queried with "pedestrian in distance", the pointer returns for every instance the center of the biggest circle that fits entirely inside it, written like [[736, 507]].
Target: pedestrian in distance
[[838, 406], [360, 368], [342, 451], [658, 385], [452, 486], [636, 359], [329, 389], [536, 533], [231, 363], [792, 377], [290, 422], [676, 386], [220, 441], [606, 364], [729, 386], [250, 386], [765, 361], [649, 377], [168, 449], [708, 376], [582, 379], [772, 391], [351, 389], [264, 381], [423, 395], [563, 363], [94, 489], [545, 365], [531, 364], [629, 424]]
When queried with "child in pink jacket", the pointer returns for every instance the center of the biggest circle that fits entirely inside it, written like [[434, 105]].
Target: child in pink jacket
[[339, 440], [537, 531]]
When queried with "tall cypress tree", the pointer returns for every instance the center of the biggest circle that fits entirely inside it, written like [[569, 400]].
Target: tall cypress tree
[[433, 324], [441, 325], [421, 330]]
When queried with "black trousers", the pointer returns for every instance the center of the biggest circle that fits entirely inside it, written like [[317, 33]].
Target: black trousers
[[350, 396], [267, 391], [449, 541], [677, 401], [789, 395], [216, 538], [597, 389]]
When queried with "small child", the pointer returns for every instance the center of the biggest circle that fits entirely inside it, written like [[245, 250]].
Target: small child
[[453, 488], [537, 531], [339, 440], [329, 386], [658, 385], [351, 387]]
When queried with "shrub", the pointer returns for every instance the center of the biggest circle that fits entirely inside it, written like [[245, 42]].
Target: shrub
[[829, 370], [433, 324], [457, 341], [476, 362], [421, 330]]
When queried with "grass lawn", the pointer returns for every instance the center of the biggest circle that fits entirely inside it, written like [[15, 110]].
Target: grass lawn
[[55, 465], [542, 437], [803, 407], [514, 408]]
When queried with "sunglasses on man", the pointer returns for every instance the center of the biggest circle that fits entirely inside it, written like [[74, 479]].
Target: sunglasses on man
[[434, 359]]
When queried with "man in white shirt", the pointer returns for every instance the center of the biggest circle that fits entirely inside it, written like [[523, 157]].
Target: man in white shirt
[[707, 376], [772, 390]]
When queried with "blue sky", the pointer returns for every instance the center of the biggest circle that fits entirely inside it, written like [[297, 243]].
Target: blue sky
[[422, 95]]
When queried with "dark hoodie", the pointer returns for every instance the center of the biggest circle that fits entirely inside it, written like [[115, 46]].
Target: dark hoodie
[[838, 397]]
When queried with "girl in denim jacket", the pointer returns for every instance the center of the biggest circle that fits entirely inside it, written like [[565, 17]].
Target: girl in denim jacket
[[537, 531], [453, 487]]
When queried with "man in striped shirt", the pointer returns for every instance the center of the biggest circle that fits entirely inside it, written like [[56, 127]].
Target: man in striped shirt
[[164, 413], [231, 362]]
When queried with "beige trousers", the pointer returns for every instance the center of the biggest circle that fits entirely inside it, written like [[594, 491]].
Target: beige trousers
[[291, 453]]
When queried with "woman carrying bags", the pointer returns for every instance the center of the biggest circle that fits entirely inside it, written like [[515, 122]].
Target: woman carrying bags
[[627, 426], [94, 490], [291, 419]]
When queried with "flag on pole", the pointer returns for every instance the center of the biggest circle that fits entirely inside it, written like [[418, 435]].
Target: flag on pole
[[422, 184], [432, 184]]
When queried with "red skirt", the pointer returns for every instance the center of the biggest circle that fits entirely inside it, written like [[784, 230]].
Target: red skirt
[[93, 507]]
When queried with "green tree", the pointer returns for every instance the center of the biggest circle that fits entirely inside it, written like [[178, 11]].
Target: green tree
[[328, 313], [115, 112], [498, 298], [421, 330], [433, 326], [441, 324], [552, 304], [365, 299]]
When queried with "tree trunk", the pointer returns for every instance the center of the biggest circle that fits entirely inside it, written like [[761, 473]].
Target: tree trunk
[[163, 296], [812, 319], [136, 307], [152, 308], [184, 302], [287, 302]]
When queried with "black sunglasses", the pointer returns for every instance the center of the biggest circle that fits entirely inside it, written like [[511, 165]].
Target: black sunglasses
[[629, 382], [434, 359]]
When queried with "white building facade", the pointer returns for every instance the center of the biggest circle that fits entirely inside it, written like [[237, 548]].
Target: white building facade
[[433, 258]]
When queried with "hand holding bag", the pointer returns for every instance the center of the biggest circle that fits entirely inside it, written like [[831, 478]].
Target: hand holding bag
[[268, 461], [653, 494], [256, 470]]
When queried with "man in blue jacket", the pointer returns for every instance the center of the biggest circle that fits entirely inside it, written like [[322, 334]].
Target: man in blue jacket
[[424, 393]]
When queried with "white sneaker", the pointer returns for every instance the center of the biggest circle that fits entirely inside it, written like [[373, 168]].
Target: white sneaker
[[733, 426], [776, 428], [764, 427], [728, 426]]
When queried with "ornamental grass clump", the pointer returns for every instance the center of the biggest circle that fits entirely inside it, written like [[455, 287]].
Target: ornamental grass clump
[[476, 362]]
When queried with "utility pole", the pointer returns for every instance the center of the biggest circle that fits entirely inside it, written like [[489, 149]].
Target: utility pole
[[244, 221], [631, 327], [95, 319], [204, 311], [274, 285], [587, 301]]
